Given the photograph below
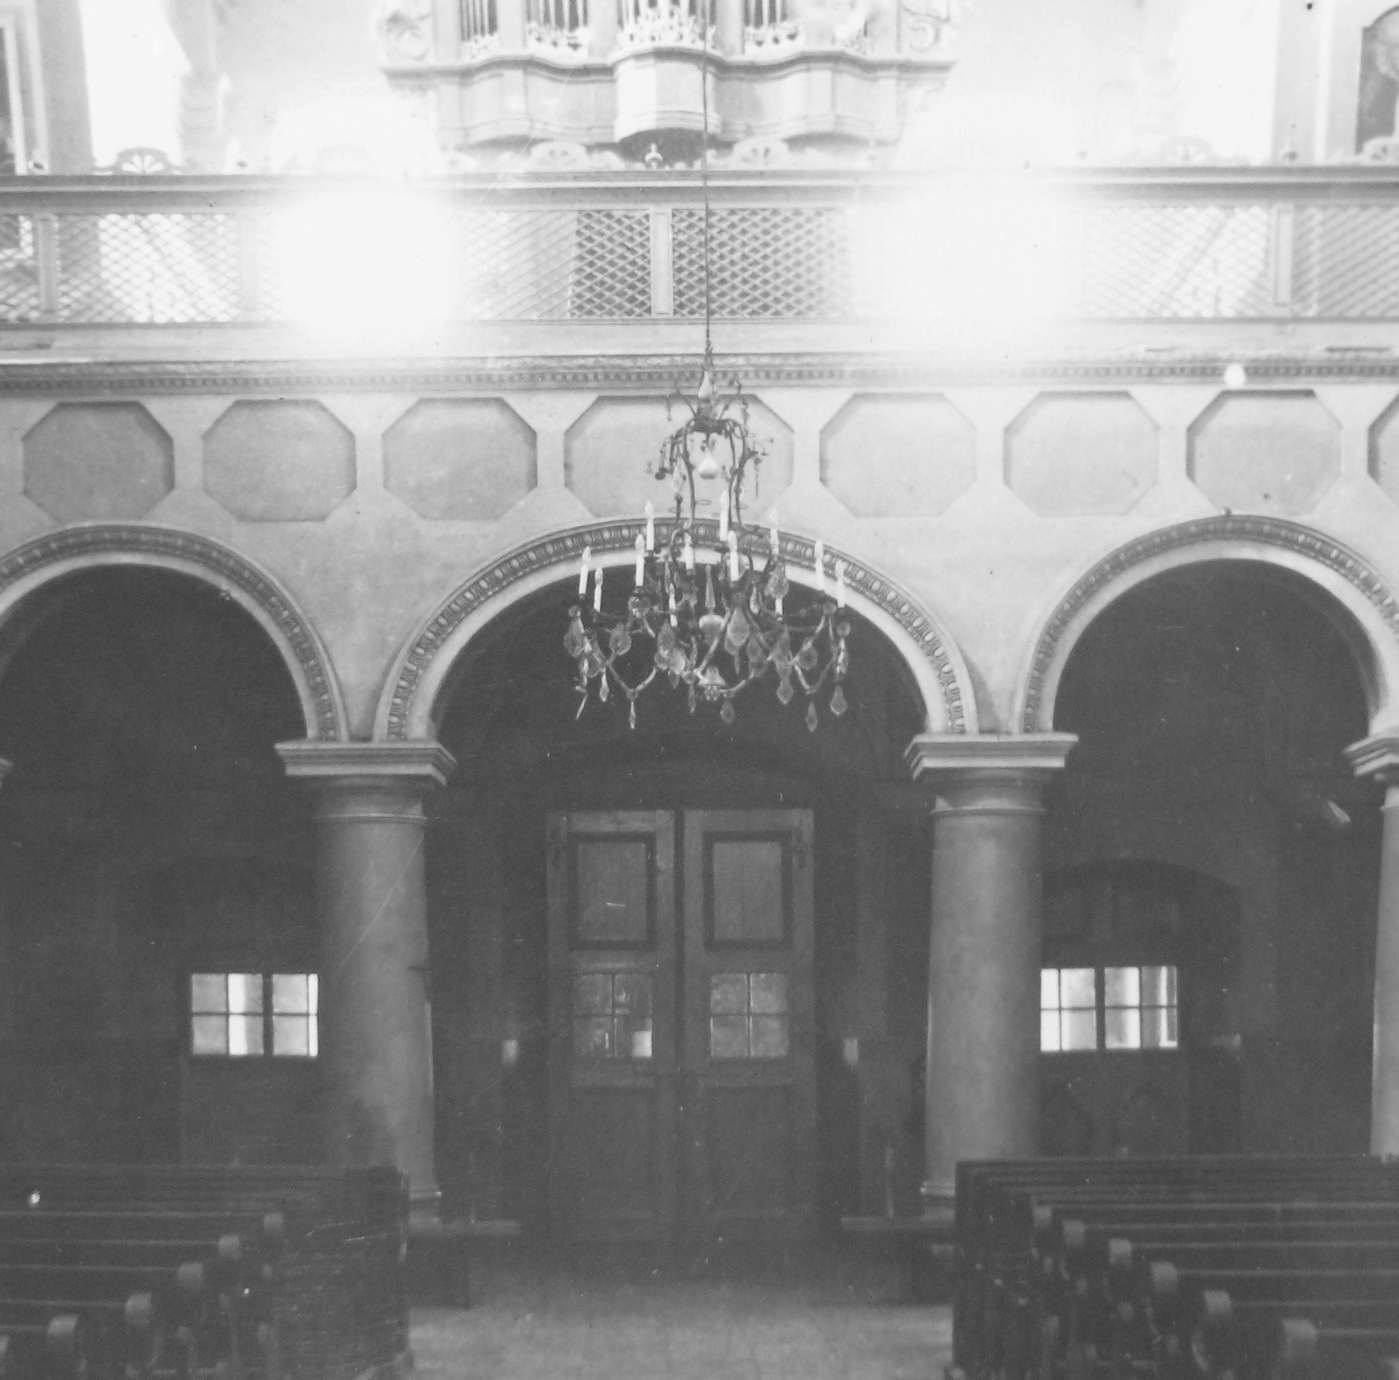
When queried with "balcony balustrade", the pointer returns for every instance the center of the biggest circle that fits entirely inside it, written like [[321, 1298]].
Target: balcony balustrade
[[1201, 245]]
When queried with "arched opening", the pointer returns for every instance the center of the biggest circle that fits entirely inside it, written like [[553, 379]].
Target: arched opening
[[152, 878], [1208, 824], [599, 1078]]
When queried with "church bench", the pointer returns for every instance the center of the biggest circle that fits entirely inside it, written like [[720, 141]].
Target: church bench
[[1305, 1351], [304, 1266], [52, 1350], [1021, 1287], [89, 1338]]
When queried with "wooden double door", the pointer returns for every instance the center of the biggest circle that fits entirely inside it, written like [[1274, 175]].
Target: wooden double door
[[682, 1013]]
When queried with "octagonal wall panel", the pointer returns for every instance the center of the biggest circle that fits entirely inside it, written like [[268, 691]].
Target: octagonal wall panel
[[611, 451], [897, 456], [287, 460], [1078, 454], [1265, 452], [460, 458], [98, 462], [1384, 452]]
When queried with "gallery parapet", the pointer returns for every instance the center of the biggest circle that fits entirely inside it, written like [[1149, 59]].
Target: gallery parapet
[[1194, 245]]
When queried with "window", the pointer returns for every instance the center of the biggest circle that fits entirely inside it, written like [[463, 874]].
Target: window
[[611, 1015], [238, 1014], [748, 1016], [1109, 1008]]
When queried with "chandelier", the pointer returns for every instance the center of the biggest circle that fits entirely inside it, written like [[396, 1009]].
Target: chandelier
[[706, 609]]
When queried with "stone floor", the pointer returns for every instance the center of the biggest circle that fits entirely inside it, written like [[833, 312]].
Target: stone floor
[[814, 1314]]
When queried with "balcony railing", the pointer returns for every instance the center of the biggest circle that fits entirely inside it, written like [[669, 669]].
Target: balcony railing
[[1155, 245]]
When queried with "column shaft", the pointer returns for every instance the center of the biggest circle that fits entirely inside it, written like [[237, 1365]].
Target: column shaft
[[1384, 1113], [376, 1050], [983, 978]]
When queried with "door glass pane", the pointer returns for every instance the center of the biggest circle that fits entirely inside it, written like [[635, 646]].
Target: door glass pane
[[245, 1034], [634, 1037], [728, 1037], [245, 992], [1049, 989], [746, 891], [769, 1037], [291, 993], [633, 993], [614, 895], [728, 992], [769, 992], [291, 1035], [592, 1038], [1049, 1032], [592, 994]]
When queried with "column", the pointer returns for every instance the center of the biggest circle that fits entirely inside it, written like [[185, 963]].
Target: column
[[982, 1086], [376, 1015], [64, 66], [728, 26], [1378, 757]]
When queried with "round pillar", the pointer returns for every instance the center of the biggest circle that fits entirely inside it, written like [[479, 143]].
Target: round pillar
[[1378, 757], [375, 1009], [982, 1090]]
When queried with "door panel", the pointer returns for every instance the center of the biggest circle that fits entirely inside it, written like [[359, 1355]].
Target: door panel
[[749, 1068], [612, 1025], [681, 1057]]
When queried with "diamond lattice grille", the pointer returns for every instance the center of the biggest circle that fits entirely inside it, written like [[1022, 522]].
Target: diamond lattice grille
[[765, 261], [1177, 261], [19, 272], [1346, 261], [165, 267], [551, 265]]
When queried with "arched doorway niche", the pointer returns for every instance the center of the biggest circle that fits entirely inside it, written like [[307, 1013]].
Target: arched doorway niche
[[410, 706], [507, 710], [147, 833], [1213, 698]]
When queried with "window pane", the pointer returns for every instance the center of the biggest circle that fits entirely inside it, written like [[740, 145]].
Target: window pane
[[1159, 986], [592, 1038], [313, 1031], [1049, 1031], [245, 992], [291, 993], [1158, 1028], [1080, 1029], [1122, 987], [769, 1037], [208, 992], [313, 987], [728, 1037], [1049, 989], [210, 1035], [1123, 1028], [592, 993], [633, 993], [728, 992], [245, 1034], [769, 992], [291, 1035], [1078, 988]]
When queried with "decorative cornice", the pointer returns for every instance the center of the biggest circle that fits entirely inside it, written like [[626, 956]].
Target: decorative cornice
[[565, 548], [95, 541], [650, 372], [1376, 756], [417, 764], [1263, 531], [938, 755]]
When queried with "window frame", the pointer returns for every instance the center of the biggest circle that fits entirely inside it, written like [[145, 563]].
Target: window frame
[[268, 1016], [1101, 1008]]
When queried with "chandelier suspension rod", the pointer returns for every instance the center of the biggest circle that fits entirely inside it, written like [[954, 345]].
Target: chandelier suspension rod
[[706, 8]]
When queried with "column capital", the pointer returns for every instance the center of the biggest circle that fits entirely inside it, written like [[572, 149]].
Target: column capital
[[410, 765], [1376, 756], [1030, 757]]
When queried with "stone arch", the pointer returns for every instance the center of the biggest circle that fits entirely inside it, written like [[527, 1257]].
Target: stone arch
[[93, 546], [1348, 590], [408, 705]]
